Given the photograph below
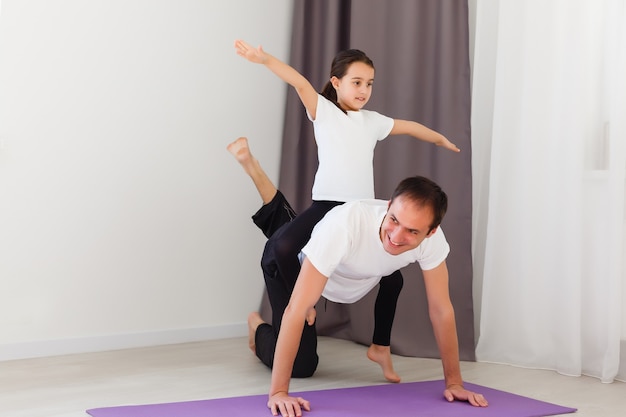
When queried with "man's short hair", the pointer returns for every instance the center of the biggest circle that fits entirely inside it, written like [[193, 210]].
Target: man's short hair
[[424, 192]]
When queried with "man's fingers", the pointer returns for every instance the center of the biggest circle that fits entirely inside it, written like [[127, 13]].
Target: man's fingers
[[304, 404], [288, 406], [477, 400], [480, 400]]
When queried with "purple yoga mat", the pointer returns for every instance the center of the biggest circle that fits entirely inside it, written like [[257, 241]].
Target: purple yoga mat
[[405, 399]]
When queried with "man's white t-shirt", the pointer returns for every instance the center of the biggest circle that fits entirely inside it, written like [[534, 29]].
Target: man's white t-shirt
[[345, 246]]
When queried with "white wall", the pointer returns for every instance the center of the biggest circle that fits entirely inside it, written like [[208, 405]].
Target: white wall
[[123, 219]]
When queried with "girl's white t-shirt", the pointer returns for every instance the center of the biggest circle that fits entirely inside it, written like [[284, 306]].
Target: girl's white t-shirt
[[345, 150]]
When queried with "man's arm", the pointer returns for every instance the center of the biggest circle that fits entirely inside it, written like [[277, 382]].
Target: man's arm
[[442, 318], [306, 293]]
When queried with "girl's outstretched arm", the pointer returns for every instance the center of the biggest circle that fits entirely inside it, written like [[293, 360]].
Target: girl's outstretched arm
[[285, 72], [421, 132]]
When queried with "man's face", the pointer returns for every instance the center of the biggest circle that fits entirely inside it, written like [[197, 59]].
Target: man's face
[[405, 226]]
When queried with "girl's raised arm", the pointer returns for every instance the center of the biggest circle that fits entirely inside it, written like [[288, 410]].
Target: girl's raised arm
[[285, 72]]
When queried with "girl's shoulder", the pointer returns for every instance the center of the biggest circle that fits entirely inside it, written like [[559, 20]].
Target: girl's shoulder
[[372, 117]]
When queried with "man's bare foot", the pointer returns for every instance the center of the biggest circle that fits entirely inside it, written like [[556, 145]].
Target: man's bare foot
[[254, 320], [382, 356], [240, 150]]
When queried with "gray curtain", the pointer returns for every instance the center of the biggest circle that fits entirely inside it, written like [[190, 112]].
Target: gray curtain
[[420, 49]]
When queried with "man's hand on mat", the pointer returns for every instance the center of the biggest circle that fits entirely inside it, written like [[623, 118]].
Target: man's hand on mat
[[287, 406], [457, 392]]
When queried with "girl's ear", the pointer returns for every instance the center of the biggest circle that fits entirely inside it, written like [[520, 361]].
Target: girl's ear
[[334, 81]]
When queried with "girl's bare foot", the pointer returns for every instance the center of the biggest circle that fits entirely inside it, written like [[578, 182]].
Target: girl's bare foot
[[254, 320], [382, 356]]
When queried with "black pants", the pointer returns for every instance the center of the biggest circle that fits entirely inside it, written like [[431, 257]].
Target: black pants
[[287, 235]]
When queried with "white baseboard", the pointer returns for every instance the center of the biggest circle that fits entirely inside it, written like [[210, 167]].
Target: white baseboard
[[43, 348]]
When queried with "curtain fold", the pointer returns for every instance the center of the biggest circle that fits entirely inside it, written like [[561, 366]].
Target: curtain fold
[[548, 99], [421, 54], [320, 29]]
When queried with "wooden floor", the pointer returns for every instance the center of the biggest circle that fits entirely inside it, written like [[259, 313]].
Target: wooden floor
[[65, 386]]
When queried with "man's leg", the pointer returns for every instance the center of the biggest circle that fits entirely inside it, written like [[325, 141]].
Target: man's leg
[[384, 313], [291, 238], [273, 215], [263, 336], [241, 151], [276, 210]]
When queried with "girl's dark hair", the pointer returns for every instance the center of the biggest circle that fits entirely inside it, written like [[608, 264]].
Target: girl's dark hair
[[424, 192], [339, 67]]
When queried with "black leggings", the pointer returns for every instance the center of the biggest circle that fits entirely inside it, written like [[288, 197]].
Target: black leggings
[[287, 235]]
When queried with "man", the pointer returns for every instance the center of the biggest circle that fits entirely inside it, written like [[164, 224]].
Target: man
[[355, 245]]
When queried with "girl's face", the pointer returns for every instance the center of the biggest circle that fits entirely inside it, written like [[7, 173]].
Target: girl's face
[[355, 88]]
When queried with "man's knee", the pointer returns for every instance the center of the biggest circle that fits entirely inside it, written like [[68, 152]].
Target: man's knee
[[306, 359], [268, 259], [305, 368]]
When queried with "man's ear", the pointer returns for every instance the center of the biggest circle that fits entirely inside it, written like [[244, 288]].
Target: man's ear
[[432, 232]]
